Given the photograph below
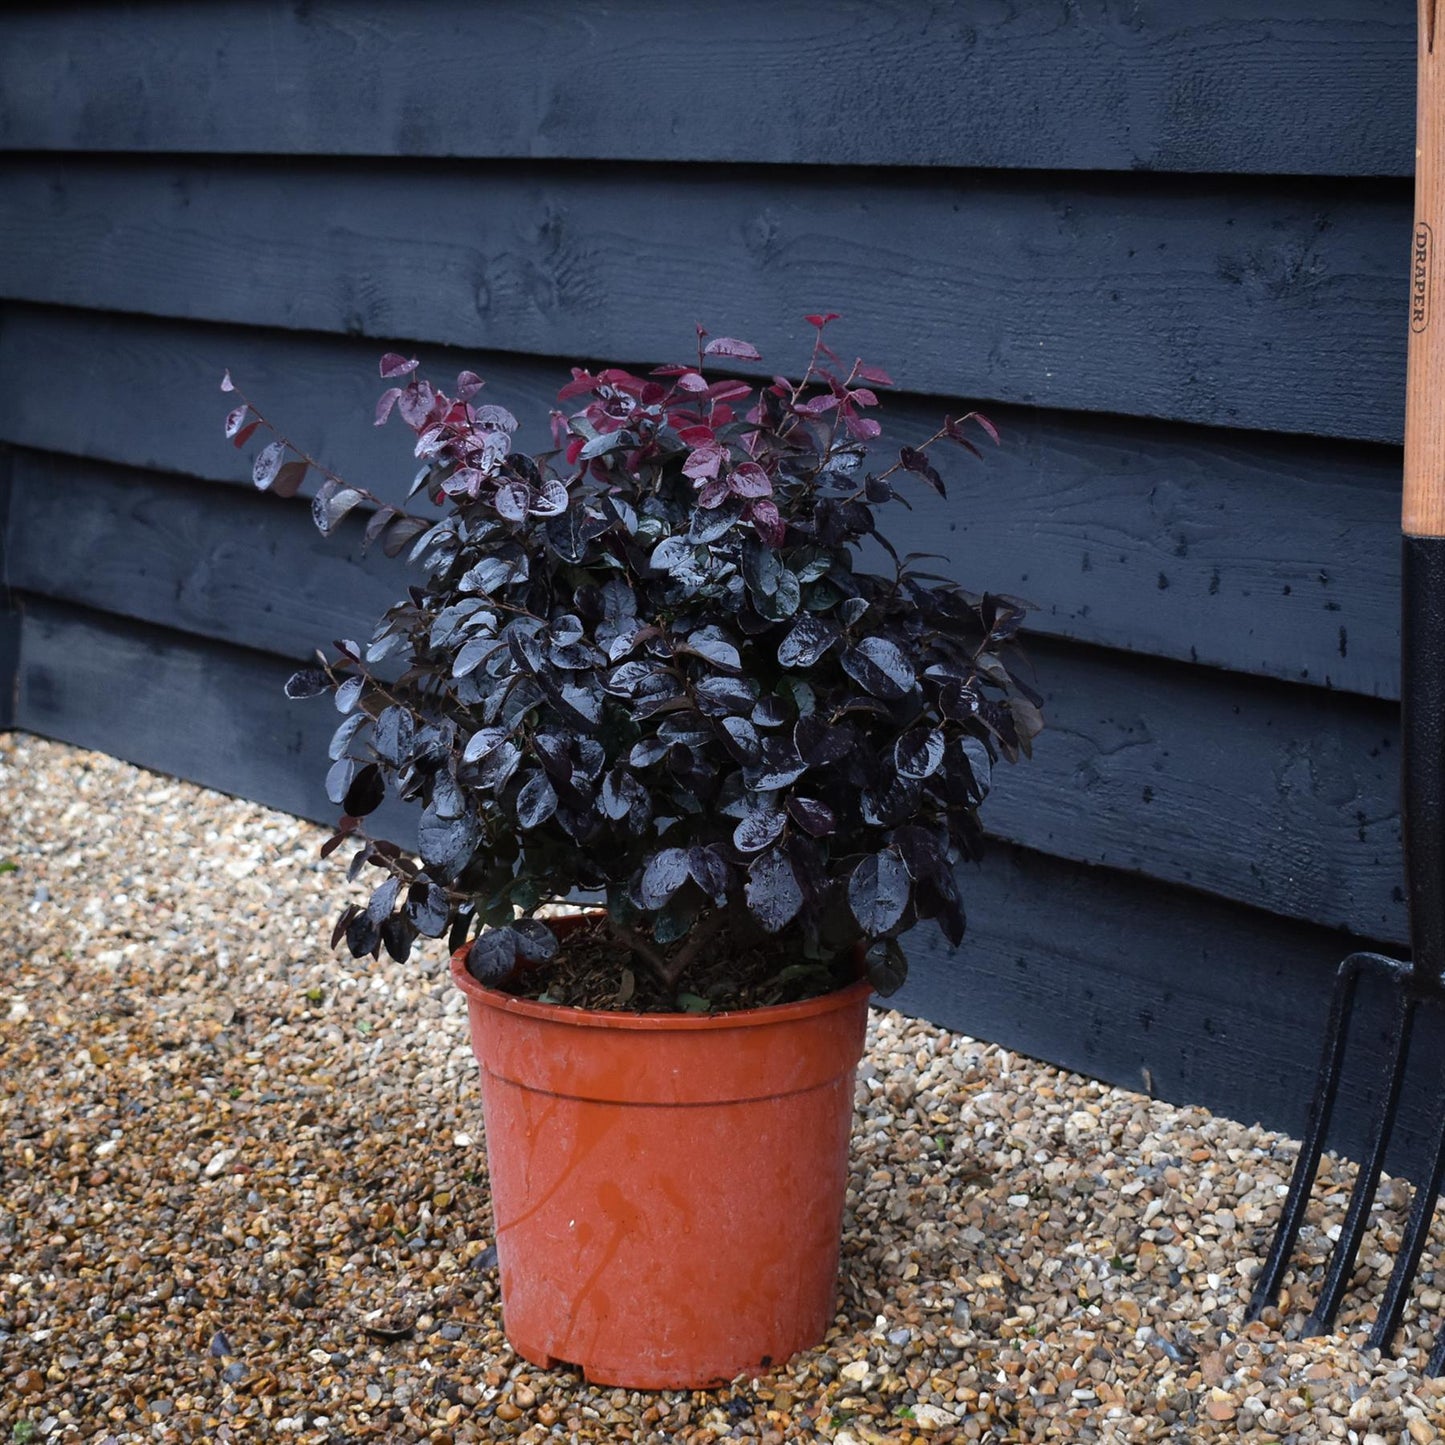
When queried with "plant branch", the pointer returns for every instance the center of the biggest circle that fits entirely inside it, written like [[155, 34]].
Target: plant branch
[[643, 950], [701, 935]]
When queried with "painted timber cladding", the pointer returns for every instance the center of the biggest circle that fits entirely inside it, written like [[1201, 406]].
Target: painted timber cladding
[[1165, 247]]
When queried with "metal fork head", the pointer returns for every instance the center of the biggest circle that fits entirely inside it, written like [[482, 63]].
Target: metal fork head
[[1412, 988]]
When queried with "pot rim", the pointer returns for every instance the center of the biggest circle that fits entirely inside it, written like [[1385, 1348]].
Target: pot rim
[[567, 1015]]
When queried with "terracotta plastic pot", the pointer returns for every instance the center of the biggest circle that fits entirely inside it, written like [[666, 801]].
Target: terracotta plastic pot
[[668, 1189]]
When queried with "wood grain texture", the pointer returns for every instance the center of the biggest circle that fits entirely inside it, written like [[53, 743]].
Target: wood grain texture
[[1423, 508], [1102, 973], [215, 561], [1242, 789], [208, 713], [1260, 86], [1274, 305], [1265, 555]]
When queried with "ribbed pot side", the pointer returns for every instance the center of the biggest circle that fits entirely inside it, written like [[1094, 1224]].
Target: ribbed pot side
[[668, 1189]]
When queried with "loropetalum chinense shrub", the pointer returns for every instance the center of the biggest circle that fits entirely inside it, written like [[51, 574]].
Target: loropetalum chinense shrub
[[649, 665]]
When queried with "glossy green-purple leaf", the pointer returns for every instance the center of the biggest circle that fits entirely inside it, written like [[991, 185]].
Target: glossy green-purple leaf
[[711, 643], [512, 500], [709, 870], [579, 698], [807, 641], [498, 766], [894, 801], [397, 935], [382, 898], [647, 751], [918, 753], [427, 907], [812, 816], [879, 667], [343, 922], [923, 852], [359, 860], [393, 364], [878, 891], [750, 481], [345, 733], [772, 890], [536, 943], [917, 462], [446, 844], [392, 735], [338, 778], [779, 766], [719, 696], [743, 741], [288, 479], [886, 965], [403, 531], [307, 682], [550, 500], [665, 873], [770, 711], [977, 765], [731, 347], [555, 752], [482, 742], [447, 798], [349, 693], [493, 957], [820, 744], [366, 792], [620, 792], [537, 800], [493, 572], [474, 653], [269, 461], [362, 936], [759, 827], [331, 503]]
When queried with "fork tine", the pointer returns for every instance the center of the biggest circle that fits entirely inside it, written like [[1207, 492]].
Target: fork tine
[[1322, 1104], [1367, 1181], [1412, 1246]]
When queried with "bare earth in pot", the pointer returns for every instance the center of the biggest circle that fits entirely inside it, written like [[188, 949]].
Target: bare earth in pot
[[594, 970]]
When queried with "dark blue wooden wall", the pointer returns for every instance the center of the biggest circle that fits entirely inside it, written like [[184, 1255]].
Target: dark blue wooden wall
[[1164, 246]]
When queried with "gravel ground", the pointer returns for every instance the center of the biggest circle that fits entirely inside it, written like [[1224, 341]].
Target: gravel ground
[[243, 1197]]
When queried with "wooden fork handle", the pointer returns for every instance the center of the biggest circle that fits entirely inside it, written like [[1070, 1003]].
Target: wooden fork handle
[[1423, 512], [1422, 632]]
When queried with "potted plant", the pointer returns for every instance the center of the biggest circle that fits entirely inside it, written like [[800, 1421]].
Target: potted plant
[[648, 669]]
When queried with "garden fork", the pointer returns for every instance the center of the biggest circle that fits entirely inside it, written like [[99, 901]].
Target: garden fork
[[1418, 983]]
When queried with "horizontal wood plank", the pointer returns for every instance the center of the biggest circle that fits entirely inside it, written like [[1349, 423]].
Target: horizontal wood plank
[[206, 712], [1152, 987], [1167, 993], [212, 561], [1243, 789], [1228, 85], [1276, 305], [1264, 555]]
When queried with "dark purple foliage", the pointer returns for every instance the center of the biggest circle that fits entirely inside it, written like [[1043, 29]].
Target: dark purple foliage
[[647, 665]]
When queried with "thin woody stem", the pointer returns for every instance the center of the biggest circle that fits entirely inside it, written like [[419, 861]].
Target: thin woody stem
[[643, 950], [669, 970], [698, 939]]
